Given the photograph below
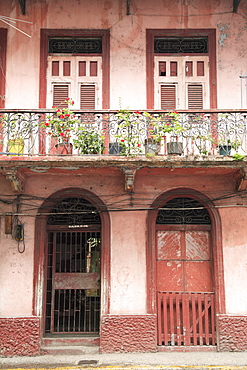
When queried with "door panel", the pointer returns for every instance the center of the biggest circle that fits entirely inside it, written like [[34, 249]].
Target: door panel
[[168, 245], [181, 82], [73, 282], [198, 276], [80, 76], [169, 276], [197, 245], [185, 298]]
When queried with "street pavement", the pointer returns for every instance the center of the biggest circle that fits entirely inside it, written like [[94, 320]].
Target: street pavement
[[136, 361]]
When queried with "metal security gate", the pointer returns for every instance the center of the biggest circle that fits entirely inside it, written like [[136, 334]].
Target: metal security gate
[[73, 276], [185, 297]]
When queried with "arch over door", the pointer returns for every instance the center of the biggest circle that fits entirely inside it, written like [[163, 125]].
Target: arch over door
[[58, 226], [184, 274]]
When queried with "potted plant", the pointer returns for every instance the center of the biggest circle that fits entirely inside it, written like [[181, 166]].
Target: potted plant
[[129, 133], [225, 147], [167, 124], [15, 129], [60, 126], [88, 139]]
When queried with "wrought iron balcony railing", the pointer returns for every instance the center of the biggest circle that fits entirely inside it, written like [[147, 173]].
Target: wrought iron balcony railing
[[209, 132]]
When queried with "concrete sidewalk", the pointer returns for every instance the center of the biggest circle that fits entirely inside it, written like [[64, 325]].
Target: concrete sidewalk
[[164, 360]]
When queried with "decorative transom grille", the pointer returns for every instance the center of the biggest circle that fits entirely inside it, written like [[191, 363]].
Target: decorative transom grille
[[74, 211], [75, 45], [183, 211], [181, 45]]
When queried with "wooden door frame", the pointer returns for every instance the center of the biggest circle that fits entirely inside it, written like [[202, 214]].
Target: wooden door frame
[[3, 52], [44, 37], [152, 33], [40, 250], [217, 252]]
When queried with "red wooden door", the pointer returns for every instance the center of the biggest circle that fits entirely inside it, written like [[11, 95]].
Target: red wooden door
[[185, 298]]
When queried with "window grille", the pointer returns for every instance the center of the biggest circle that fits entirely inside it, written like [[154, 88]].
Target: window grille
[[184, 211]]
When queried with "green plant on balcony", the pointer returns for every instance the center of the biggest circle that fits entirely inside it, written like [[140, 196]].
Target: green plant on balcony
[[163, 124], [166, 126], [226, 142], [129, 132], [88, 139], [61, 124]]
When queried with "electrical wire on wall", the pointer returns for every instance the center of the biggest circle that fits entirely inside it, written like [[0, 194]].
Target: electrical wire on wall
[[18, 228], [31, 206]]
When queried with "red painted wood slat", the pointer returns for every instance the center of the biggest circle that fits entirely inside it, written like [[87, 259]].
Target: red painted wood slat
[[185, 318], [60, 94], [159, 308], [206, 305], [193, 318], [200, 319], [87, 97]]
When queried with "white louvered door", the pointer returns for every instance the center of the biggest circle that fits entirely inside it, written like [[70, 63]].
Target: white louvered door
[[181, 82], [78, 78]]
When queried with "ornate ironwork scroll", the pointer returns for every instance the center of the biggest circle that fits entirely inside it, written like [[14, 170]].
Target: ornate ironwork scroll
[[74, 212], [185, 211], [75, 45], [181, 45]]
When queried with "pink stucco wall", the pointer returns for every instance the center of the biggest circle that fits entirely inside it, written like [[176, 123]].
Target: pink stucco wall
[[128, 43], [128, 234]]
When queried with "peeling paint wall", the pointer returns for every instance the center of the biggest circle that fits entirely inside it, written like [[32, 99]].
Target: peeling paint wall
[[127, 43], [128, 235]]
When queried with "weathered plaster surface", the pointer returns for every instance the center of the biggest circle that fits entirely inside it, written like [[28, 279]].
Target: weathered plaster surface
[[128, 43], [128, 333], [19, 336], [232, 333], [128, 251], [128, 234], [235, 259]]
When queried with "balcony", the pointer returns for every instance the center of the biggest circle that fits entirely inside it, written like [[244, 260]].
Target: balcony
[[31, 133]]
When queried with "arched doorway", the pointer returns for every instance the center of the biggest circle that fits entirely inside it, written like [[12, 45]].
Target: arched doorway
[[186, 280], [72, 246], [73, 268]]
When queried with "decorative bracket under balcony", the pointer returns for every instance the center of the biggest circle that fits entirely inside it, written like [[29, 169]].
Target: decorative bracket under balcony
[[129, 179], [15, 178], [242, 181]]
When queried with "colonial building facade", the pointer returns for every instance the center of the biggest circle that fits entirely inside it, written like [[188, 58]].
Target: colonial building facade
[[131, 236]]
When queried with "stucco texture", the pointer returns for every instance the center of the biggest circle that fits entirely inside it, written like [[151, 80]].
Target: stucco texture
[[128, 333], [19, 336], [232, 333]]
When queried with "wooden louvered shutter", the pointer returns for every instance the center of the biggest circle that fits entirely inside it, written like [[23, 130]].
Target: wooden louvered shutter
[[195, 97], [168, 96], [87, 97], [60, 94]]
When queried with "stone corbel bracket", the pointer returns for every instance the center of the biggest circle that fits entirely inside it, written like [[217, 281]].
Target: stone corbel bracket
[[129, 177], [242, 180], [15, 178]]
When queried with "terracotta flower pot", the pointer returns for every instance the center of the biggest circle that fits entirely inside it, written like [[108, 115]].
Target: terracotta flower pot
[[64, 149]]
